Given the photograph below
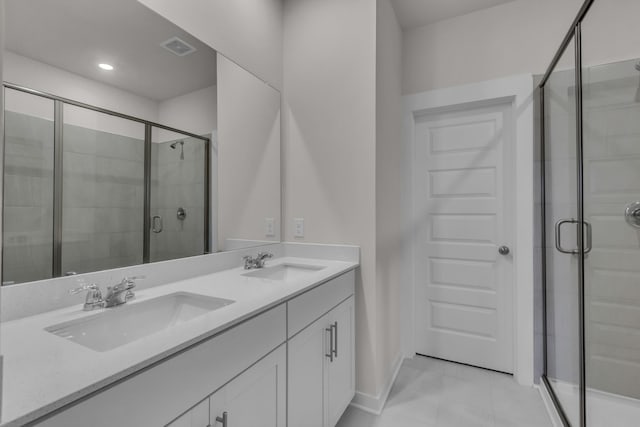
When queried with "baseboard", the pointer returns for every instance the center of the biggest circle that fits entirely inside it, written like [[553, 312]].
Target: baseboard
[[548, 404], [375, 404]]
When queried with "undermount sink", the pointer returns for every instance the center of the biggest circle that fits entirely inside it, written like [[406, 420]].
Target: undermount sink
[[284, 272], [119, 326]]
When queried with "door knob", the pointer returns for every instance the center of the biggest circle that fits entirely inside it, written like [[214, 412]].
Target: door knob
[[504, 250]]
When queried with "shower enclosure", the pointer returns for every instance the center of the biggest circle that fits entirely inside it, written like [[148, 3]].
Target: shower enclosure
[[590, 170], [89, 189]]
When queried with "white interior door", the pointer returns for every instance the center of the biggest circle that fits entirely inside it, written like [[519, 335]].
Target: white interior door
[[463, 286]]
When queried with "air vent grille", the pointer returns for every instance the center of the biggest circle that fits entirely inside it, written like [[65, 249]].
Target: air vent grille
[[177, 46]]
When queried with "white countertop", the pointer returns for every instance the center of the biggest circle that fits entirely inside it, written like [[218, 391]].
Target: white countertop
[[43, 372]]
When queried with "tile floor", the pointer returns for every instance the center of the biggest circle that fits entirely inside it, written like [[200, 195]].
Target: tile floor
[[435, 393]]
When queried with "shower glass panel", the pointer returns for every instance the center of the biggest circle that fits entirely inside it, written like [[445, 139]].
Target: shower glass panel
[[612, 188], [178, 198], [28, 188], [102, 191], [562, 284]]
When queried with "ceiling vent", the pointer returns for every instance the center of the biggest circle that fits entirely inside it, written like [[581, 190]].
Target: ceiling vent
[[178, 46]]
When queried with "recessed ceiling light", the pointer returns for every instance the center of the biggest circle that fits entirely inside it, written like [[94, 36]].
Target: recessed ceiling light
[[106, 67]]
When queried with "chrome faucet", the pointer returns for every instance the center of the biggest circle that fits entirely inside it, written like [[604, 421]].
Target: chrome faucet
[[94, 296], [121, 293], [257, 262]]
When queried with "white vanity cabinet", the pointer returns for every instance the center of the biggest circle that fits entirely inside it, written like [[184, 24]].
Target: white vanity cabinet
[[292, 365], [257, 397], [321, 380], [198, 416]]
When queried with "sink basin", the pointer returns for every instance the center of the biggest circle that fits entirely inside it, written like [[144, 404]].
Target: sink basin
[[284, 272], [115, 327]]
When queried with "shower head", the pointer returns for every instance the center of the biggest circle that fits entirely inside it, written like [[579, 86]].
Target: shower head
[[175, 144]]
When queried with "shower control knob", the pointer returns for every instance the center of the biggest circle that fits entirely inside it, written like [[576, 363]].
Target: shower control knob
[[504, 250]]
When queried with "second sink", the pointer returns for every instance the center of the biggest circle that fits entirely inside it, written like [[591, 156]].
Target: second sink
[[285, 272]]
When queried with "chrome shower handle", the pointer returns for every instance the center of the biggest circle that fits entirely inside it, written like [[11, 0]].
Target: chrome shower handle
[[589, 240], [156, 224], [558, 227]]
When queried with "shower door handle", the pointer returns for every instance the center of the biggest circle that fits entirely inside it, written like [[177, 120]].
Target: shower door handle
[[156, 224], [589, 239]]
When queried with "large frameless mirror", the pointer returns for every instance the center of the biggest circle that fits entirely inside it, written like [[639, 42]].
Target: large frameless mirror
[[128, 141]]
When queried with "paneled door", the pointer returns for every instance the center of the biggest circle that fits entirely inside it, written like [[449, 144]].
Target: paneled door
[[463, 261]]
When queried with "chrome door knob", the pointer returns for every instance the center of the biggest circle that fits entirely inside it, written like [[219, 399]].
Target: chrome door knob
[[504, 250]]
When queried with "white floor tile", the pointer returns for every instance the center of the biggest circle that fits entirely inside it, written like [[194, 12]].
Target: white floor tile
[[435, 393]]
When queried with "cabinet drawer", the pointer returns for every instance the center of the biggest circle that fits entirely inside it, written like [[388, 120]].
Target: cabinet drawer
[[308, 307], [155, 396]]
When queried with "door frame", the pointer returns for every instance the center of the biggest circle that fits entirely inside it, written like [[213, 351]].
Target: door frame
[[519, 91]]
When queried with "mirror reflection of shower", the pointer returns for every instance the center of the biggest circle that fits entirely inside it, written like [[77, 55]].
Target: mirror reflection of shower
[[175, 144]]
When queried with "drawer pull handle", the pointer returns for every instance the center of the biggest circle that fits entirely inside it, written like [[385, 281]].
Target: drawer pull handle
[[330, 354], [222, 419], [334, 335]]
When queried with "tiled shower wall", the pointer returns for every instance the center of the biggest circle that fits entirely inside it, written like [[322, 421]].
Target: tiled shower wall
[[178, 183], [28, 198], [103, 199]]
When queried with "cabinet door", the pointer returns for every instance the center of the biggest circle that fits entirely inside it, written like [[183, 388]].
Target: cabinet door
[[341, 371], [198, 416], [306, 359], [256, 397]]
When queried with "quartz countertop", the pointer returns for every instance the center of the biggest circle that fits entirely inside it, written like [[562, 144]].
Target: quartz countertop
[[43, 372]]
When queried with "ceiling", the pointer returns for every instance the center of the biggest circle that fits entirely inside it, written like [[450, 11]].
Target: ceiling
[[415, 13], [76, 35]]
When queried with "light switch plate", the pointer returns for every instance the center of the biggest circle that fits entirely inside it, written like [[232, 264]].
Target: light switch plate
[[269, 227], [298, 227]]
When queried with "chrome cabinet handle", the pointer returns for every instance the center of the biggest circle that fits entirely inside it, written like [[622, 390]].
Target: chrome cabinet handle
[[330, 354], [156, 224], [222, 419], [504, 250], [589, 240], [334, 350]]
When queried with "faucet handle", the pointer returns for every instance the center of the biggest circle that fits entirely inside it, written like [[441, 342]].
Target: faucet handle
[[263, 255], [85, 287], [130, 281], [248, 262]]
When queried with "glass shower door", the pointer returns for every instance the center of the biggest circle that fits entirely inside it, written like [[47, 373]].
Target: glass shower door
[[28, 188], [562, 260], [102, 191], [178, 196]]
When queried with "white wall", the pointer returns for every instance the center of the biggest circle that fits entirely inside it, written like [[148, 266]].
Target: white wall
[[40, 76], [249, 32], [518, 37], [249, 146], [1, 156], [329, 137], [196, 112], [390, 233]]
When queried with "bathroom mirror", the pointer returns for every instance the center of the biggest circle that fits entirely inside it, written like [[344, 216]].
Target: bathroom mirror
[[128, 141]]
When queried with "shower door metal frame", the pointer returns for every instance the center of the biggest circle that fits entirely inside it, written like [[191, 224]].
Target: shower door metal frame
[[573, 34], [59, 103]]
